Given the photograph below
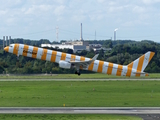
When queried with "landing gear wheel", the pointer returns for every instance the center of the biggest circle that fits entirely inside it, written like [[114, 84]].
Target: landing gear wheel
[[79, 74]]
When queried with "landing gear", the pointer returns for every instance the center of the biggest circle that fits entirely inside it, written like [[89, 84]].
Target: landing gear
[[17, 62], [78, 73], [17, 58]]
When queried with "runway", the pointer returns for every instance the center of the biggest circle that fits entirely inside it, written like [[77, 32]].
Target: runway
[[81, 110], [114, 79], [147, 113]]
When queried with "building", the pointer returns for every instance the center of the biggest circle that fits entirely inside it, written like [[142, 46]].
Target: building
[[98, 47], [76, 46], [76, 42]]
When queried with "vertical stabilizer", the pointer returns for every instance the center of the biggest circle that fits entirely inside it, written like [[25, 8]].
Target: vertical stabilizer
[[141, 63]]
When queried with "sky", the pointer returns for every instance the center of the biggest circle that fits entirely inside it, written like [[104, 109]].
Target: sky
[[41, 19]]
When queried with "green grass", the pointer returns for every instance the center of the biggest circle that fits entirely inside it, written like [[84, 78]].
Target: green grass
[[80, 94], [73, 76], [66, 117]]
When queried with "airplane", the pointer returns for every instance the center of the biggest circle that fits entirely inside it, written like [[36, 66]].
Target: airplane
[[69, 61]]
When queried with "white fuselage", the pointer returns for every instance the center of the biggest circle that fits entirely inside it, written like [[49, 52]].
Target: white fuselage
[[55, 56]]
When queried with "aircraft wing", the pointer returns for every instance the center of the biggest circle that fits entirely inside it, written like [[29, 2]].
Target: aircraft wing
[[84, 63]]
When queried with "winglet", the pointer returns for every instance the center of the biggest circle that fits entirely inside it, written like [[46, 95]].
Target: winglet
[[95, 57]]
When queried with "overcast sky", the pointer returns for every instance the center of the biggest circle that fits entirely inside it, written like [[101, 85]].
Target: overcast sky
[[38, 19]]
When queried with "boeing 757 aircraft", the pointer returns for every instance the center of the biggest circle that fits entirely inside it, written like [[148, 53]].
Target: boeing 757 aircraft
[[69, 61]]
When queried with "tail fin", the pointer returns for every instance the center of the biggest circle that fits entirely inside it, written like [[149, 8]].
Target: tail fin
[[141, 63]]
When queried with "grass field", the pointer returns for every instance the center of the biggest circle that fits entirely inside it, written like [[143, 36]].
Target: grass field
[[73, 76], [67, 117], [80, 94]]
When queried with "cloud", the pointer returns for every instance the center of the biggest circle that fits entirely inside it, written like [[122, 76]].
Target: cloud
[[100, 1], [139, 9], [34, 9], [78, 18], [151, 1], [116, 8], [3, 12], [59, 10]]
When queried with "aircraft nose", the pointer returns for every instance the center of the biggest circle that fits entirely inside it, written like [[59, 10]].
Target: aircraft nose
[[6, 48]]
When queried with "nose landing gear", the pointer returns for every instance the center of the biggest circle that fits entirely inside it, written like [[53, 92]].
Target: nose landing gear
[[78, 73]]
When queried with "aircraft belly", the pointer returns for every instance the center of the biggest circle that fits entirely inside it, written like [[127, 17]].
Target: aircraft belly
[[30, 50], [49, 54], [77, 58], [105, 67], [39, 53], [95, 66], [68, 57], [124, 71], [114, 70], [58, 57], [20, 52]]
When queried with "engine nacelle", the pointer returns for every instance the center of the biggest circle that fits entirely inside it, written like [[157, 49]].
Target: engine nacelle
[[64, 64]]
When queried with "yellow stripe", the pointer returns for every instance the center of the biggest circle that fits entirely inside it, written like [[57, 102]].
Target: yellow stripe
[[140, 64], [25, 50], [73, 57], [151, 55], [82, 58], [90, 67], [53, 57], [63, 56], [16, 48], [44, 54], [110, 67], [35, 50], [100, 66], [119, 70], [6, 49], [129, 69], [146, 74]]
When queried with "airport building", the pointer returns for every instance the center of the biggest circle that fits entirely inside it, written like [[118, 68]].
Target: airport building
[[75, 48]]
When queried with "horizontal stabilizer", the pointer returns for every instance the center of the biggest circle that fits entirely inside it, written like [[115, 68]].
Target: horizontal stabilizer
[[141, 73]]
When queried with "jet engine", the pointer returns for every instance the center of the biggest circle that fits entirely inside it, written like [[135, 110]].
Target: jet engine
[[64, 64]]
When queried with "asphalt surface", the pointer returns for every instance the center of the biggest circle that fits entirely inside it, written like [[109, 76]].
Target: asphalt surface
[[44, 79], [147, 113]]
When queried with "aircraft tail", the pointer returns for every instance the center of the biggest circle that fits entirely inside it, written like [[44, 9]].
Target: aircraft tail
[[141, 63]]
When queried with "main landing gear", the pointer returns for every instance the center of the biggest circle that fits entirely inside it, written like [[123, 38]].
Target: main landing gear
[[78, 73], [17, 58]]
